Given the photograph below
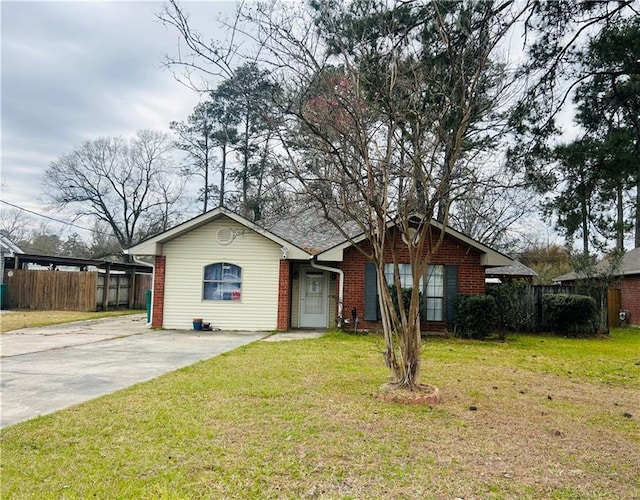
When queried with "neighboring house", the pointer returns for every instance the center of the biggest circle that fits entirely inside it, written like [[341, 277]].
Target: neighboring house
[[507, 274], [628, 283], [7, 249], [299, 273]]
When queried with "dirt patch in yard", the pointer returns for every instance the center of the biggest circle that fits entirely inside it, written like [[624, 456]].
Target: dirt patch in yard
[[422, 394]]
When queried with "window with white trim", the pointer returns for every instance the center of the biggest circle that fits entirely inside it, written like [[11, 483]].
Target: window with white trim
[[406, 277], [434, 293], [222, 281]]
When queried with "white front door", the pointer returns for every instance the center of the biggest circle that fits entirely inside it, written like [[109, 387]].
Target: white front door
[[314, 297]]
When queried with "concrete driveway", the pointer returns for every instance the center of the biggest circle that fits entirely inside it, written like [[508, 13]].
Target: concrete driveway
[[43, 370]]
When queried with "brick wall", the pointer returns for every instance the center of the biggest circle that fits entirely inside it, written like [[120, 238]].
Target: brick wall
[[470, 275], [157, 314], [630, 287], [284, 296]]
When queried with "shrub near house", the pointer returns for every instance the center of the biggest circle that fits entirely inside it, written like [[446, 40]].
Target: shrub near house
[[572, 314], [476, 316]]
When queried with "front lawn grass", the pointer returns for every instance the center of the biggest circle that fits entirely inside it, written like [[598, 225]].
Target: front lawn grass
[[552, 418], [27, 318]]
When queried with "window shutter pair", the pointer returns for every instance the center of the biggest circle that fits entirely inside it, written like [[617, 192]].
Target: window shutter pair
[[371, 292]]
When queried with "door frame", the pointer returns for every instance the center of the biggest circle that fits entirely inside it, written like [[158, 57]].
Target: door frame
[[302, 295]]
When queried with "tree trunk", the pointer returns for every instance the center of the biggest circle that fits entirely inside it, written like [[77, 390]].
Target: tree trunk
[[206, 171], [402, 337], [585, 227], [620, 220], [245, 168], [223, 171], [637, 214]]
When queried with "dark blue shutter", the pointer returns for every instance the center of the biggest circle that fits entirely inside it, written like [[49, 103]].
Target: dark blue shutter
[[450, 291], [370, 292]]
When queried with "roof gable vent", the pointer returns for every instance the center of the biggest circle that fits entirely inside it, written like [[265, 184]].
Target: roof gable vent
[[224, 235]]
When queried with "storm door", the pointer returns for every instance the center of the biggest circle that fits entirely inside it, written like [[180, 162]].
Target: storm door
[[313, 298]]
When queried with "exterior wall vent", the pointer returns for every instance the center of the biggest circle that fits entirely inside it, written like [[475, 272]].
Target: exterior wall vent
[[224, 235], [414, 238]]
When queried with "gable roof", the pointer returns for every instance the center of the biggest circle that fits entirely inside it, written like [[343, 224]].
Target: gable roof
[[305, 234], [153, 245], [489, 257], [630, 265]]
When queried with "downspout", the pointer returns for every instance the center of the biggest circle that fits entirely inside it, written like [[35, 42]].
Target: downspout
[[153, 282], [340, 272]]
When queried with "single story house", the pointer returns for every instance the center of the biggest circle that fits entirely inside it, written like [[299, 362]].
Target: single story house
[[297, 273], [628, 284], [7, 249]]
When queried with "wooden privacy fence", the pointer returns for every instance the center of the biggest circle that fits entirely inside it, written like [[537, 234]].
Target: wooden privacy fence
[[614, 305], [72, 290], [48, 290], [533, 313], [533, 305], [121, 293]]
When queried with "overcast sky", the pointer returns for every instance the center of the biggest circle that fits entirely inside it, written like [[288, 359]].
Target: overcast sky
[[78, 70]]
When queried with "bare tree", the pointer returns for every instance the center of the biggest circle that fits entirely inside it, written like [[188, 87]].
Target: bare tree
[[122, 183], [14, 224], [391, 95], [491, 208]]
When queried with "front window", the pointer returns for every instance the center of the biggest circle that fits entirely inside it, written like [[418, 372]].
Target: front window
[[406, 284], [435, 293], [404, 270], [222, 281]]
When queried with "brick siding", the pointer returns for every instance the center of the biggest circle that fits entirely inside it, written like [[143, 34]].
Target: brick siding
[[630, 291], [471, 275], [157, 314], [284, 296]]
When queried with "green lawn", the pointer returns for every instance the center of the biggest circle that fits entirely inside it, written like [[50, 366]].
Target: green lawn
[[554, 418], [27, 318]]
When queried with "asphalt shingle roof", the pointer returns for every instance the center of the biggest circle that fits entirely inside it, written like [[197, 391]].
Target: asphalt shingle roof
[[309, 230], [630, 265], [516, 269]]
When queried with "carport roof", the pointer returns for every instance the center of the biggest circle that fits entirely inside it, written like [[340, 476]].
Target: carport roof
[[47, 260]]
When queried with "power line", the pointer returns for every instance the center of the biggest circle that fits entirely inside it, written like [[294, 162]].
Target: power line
[[49, 217]]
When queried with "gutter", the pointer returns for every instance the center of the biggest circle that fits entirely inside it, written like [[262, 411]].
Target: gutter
[[340, 273]]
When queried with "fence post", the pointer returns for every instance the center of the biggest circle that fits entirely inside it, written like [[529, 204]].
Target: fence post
[[107, 283]]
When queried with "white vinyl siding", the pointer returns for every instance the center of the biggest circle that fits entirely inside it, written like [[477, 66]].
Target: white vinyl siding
[[188, 255]]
